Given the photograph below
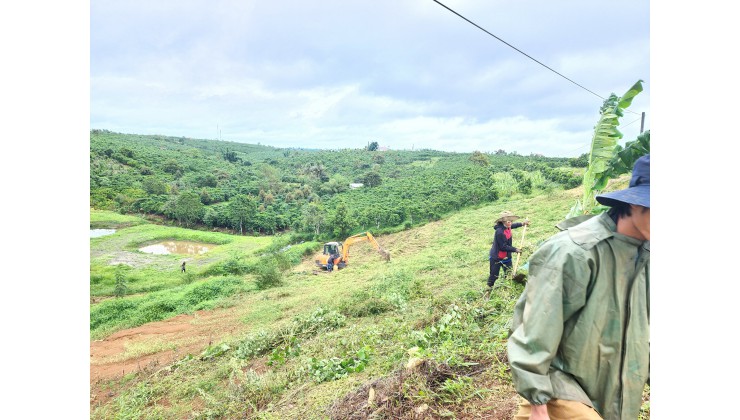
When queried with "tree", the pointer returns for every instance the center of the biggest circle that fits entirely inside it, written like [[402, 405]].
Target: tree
[[154, 186], [242, 209], [372, 179], [172, 167], [188, 208], [230, 156], [342, 221], [312, 217], [207, 180], [372, 146], [479, 158]]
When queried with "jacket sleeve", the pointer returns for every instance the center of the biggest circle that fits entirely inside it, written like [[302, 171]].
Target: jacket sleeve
[[547, 301], [501, 244]]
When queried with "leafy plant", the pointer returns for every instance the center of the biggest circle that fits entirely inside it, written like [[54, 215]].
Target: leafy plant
[[214, 351], [121, 283], [604, 148], [281, 354], [334, 368]]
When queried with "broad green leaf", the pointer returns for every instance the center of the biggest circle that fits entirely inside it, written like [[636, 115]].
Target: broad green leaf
[[626, 99]]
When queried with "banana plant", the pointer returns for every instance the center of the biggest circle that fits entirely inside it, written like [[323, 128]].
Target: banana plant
[[607, 160], [604, 160]]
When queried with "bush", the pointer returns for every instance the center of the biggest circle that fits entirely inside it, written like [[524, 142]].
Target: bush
[[268, 276]]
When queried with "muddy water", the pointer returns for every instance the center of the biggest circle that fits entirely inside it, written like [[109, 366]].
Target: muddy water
[[177, 247], [96, 233]]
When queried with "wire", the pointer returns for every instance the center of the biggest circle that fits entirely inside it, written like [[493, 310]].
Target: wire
[[632, 122], [525, 54]]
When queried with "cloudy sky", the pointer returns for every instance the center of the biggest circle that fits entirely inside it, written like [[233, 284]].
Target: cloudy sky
[[339, 74]]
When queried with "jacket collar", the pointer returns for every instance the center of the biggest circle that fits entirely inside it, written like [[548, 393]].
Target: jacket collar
[[598, 228]]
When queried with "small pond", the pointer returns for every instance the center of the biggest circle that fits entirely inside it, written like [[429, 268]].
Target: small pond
[[96, 233], [177, 247]]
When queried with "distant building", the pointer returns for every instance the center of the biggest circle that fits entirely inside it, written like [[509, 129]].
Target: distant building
[[354, 186], [383, 148]]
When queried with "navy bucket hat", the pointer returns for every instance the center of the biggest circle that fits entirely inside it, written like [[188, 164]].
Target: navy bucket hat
[[638, 192]]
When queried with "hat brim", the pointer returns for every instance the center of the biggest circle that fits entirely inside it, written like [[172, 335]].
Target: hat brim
[[638, 195], [507, 219]]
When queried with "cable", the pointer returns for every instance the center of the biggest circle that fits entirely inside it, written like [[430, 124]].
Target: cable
[[525, 54], [632, 122]]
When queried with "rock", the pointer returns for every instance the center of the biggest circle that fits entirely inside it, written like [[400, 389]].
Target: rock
[[413, 363]]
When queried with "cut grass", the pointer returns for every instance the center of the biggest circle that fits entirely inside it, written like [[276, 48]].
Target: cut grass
[[428, 297]]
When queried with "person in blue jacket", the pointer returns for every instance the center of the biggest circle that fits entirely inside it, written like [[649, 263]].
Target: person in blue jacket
[[500, 254]]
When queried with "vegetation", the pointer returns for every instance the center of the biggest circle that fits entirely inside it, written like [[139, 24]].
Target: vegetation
[[416, 332], [252, 189], [607, 159], [409, 338]]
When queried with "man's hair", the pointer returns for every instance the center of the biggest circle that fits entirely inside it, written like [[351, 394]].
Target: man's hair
[[619, 210]]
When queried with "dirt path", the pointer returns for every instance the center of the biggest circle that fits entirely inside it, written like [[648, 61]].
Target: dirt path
[[157, 344]]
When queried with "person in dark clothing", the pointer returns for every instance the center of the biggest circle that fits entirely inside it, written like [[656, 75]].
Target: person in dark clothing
[[330, 262], [500, 254], [182, 267]]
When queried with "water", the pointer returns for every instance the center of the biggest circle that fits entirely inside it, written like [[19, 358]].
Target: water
[[96, 233], [177, 247]]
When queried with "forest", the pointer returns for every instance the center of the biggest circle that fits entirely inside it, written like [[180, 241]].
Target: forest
[[314, 194]]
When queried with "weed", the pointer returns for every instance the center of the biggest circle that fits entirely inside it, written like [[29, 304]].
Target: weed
[[281, 354], [309, 325], [456, 391], [334, 368], [268, 276], [121, 284], [214, 351]]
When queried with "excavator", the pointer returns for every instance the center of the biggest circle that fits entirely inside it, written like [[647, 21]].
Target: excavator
[[340, 250]]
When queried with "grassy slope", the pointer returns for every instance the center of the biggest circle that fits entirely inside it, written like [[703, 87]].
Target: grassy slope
[[428, 297]]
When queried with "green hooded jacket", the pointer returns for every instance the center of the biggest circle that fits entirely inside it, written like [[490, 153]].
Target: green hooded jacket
[[581, 329]]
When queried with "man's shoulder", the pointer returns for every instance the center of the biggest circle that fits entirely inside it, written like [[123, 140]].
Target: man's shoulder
[[590, 232]]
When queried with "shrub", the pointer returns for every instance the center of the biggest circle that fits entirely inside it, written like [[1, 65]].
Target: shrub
[[121, 284], [268, 276]]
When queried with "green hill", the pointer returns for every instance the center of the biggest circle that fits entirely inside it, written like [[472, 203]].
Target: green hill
[[244, 188], [411, 338]]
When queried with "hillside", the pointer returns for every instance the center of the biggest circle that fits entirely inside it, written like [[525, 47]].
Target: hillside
[[320, 194], [337, 345]]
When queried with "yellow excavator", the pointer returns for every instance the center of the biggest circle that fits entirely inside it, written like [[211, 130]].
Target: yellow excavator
[[339, 251]]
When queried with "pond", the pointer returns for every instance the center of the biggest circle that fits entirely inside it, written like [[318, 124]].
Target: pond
[[96, 233], [177, 247]]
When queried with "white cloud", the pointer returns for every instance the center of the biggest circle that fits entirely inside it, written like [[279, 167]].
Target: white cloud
[[337, 74]]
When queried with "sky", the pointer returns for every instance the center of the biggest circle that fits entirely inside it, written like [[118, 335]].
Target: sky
[[334, 74]]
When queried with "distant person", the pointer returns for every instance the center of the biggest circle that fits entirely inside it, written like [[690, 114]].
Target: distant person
[[579, 346], [182, 267], [500, 254], [330, 262]]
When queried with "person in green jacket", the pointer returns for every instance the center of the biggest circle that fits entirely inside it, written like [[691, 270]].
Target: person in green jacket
[[579, 345]]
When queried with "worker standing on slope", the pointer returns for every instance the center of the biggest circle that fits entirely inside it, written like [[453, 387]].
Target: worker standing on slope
[[580, 345], [500, 254]]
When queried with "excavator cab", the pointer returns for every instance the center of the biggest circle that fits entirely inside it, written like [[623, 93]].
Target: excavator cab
[[332, 248]]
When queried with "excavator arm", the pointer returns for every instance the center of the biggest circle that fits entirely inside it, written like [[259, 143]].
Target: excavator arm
[[360, 237], [331, 248]]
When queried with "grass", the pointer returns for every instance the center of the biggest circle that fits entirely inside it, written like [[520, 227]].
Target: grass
[[315, 345], [104, 219], [151, 272]]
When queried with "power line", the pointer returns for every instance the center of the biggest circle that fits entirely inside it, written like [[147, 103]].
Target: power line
[[632, 122], [523, 53]]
